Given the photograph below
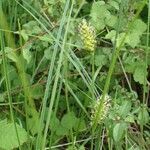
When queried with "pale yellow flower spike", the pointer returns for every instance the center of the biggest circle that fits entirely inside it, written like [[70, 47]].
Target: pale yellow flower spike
[[87, 33], [101, 115]]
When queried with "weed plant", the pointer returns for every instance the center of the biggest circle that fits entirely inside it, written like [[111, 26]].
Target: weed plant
[[74, 75]]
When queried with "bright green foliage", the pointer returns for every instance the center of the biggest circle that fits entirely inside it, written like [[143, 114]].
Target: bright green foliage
[[132, 38], [8, 137], [55, 64], [140, 74], [143, 117], [119, 131], [26, 53], [68, 120], [98, 14], [37, 92]]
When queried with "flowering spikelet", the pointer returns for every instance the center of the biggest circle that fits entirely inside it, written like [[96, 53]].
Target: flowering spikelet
[[87, 33], [101, 115]]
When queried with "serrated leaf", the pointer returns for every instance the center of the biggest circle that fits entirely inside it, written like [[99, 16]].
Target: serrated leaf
[[98, 13], [138, 27], [134, 39], [111, 20], [100, 60], [114, 4], [98, 10], [8, 137]]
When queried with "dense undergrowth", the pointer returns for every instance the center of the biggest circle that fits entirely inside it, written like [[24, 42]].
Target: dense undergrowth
[[74, 74]]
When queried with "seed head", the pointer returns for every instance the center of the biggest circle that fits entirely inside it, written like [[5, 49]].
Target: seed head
[[102, 113], [87, 34]]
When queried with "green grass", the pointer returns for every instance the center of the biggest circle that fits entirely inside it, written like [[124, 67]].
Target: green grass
[[50, 90]]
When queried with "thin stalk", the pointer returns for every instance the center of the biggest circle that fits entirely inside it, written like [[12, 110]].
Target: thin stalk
[[146, 64], [93, 72], [66, 89], [8, 87], [93, 95], [29, 103], [146, 56], [49, 79], [61, 56], [55, 111]]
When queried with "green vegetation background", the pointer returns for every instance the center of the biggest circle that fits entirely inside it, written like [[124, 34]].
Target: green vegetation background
[[53, 90]]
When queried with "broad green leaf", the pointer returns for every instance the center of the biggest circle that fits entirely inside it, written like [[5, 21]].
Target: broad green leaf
[[130, 62], [100, 60], [98, 14], [122, 39], [69, 120], [143, 116], [98, 10], [54, 123], [10, 53], [111, 35], [140, 73], [111, 20], [125, 108], [134, 39], [8, 137], [80, 124], [37, 91], [33, 122], [118, 131], [138, 27], [114, 4], [61, 131]]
